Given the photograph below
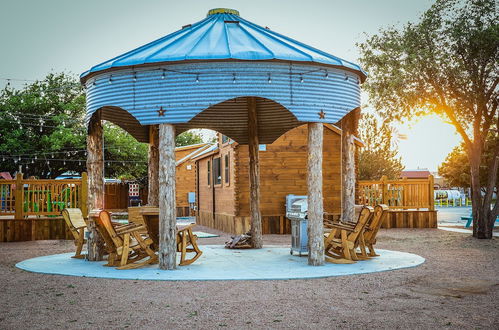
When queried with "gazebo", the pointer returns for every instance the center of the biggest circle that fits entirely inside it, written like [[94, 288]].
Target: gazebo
[[233, 76]]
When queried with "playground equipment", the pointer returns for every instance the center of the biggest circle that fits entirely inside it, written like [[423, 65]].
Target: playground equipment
[[451, 198]]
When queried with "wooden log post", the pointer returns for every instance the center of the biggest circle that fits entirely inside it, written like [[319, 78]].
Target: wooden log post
[[431, 193], [95, 173], [315, 200], [19, 197], [84, 194], [153, 167], [254, 175], [348, 167], [167, 206]]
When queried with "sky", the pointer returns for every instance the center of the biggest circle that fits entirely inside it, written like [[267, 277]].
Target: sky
[[38, 37]]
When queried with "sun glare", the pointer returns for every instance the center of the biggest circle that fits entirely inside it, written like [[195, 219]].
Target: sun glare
[[426, 142]]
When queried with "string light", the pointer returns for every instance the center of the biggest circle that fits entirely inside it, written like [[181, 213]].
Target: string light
[[301, 78], [163, 75], [270, 79], [327, 74], [234, 78], [197, 78]]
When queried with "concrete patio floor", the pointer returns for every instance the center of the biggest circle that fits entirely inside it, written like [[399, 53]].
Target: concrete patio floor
[[218, 263]]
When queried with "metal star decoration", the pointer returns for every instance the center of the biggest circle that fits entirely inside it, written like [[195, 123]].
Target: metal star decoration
[[322, 114], [161, 112]]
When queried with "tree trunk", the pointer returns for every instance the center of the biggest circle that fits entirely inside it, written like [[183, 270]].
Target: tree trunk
[[254, 173], [167, 206], [95, 172], [315, 200], [480, 211], [348, 167], [153, 167]]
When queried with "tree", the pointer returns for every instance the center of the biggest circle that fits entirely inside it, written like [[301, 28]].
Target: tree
[[188, 138], [456, 167], [41, 128], [379, 156], [43, 131], [447, 64]]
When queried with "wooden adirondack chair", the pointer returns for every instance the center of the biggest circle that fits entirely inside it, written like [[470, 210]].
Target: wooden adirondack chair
[[186, 240], [340, 243], [371, 231], [76, 224], [125, 244], [368, 238]]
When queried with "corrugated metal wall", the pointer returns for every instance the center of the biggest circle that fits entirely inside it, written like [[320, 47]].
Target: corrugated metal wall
[[185, 90]]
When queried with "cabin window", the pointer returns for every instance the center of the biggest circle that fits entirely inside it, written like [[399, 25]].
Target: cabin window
[[225, 138], [226, 169], [262, 147], [209, 173], [217, 171]]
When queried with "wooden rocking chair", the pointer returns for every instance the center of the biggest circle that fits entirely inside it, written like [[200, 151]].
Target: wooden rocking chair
[[76, 224], [186, 240], [371, 231], [340, 243], [125, 244]]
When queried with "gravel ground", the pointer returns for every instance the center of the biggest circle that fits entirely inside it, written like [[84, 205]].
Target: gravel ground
[[457, 287]]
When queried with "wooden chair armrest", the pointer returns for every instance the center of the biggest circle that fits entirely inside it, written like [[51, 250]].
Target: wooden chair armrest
[[342, 226], [184, 228], [129, 229]]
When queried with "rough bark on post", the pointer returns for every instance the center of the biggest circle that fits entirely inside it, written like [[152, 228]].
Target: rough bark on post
[[167, 207], [95, 174], [254, 173], [315, 200], [153, 167], [348, 167]]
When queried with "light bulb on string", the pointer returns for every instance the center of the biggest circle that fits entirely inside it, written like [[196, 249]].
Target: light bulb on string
[[233, 78], [270, 79], [64, 163], [301, 78], [163, 75], [327, 74], [197, 78], [32, 161]]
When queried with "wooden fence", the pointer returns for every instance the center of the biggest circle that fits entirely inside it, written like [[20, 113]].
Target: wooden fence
[[401, 194], [22, 198]]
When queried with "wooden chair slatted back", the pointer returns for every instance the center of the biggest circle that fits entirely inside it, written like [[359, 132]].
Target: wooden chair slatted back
[[105, 221], [364, 216], [74, 220], [380, 212]]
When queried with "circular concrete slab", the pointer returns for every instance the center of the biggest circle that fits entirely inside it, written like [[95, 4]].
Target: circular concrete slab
[[218, 263]]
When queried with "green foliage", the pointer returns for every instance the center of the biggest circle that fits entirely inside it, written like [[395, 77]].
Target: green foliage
[[447, 64], [379, 156], [125, 158], [456, 167], [188, 138], [44, 122]]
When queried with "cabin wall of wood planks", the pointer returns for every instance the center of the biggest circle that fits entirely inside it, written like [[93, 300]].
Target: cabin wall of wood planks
[[271, 224], [283, 171]]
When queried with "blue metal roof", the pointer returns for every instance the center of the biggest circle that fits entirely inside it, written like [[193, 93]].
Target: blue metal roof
[[223, 35]]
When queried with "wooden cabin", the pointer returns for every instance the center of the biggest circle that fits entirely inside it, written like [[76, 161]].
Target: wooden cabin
[[186, 177], [222, 178]]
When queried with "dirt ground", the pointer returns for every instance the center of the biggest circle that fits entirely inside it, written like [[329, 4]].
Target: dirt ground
[[457, 287]]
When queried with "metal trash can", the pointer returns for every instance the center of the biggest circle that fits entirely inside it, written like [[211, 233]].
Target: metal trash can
[[296, 212]]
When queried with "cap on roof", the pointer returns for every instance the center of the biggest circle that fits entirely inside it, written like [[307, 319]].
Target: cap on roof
[[223, 35]]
